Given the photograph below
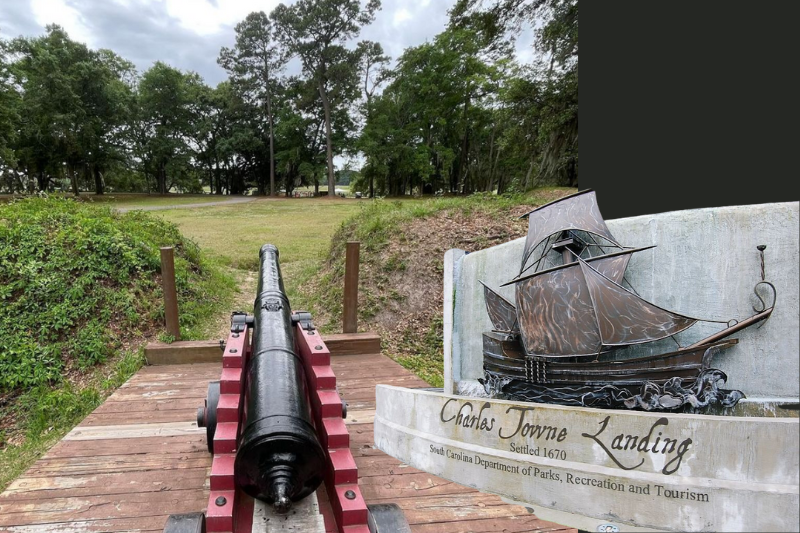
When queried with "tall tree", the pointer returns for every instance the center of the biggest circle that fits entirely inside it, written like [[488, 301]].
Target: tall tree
[[316, 32], [557, 73], [166, 116], [373, 64], [9, 117], [254, 64]]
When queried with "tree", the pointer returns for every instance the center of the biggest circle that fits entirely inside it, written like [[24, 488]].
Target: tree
[[72, 107], [373, 66], [106, 102], [166, 118], [557, 73], [9, 117], [316, 31], [419, 135], [253, 65]]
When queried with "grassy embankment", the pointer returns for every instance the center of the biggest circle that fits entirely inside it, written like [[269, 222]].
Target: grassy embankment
[[80, 292]]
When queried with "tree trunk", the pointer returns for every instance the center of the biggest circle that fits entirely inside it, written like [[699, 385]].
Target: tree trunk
[[161, 178], [326, 106], [99, 187], [489, 179], [500, 180], [271, 146], [528, 176], [463, 158], [43, 181], [73, 177], [217, 175]]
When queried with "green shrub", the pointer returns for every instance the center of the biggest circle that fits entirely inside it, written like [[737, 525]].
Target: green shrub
[[77, 279]]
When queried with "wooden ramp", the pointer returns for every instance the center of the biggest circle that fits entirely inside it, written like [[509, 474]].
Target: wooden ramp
[[140, 457]]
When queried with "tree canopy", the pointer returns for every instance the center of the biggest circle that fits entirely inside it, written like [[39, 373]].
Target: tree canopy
[[456, 114]]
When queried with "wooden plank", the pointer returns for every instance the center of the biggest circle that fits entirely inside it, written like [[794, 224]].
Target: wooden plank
[[146, 405], [140, 524], [76, 466], [420, 485], [182, 383], [400, 381], [455, 507], [511, 524], [194, 443], [369, 372], [134, 430], [180, 370], [353, 343], [128, 395], [115, 483], [145, 416], [101, 507], [182, 352]]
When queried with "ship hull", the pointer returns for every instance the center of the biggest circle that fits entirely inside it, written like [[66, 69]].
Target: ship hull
[[505, 358]]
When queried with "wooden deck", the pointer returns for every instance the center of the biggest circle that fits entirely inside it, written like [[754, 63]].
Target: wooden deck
[[140, 457]]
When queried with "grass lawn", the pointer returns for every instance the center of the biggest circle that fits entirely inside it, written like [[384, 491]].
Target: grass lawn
[[301, 228]]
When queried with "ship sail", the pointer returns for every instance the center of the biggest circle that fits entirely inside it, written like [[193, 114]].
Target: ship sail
[[575, 212], [580, 308], [624, 318], [554, 307], [502, 313]]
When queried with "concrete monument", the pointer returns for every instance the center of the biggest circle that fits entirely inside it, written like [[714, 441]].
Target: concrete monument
[[699, 463]]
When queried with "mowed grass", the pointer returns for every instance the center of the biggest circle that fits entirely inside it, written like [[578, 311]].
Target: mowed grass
[[301, 228]]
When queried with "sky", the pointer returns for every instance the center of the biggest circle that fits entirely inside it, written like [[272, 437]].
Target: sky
[[188, 34]]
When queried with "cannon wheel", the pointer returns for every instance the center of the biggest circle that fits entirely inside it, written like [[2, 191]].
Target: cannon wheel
[[387, 518], [207, 415]]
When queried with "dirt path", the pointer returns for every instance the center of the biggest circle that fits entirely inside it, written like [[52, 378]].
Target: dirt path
[[240, 200], [246, 281]]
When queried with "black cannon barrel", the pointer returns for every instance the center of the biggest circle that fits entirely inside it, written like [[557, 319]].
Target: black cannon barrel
[[279, 458]]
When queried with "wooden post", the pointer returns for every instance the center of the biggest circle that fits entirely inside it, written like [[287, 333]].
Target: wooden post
[[350, 313], [170, 293]]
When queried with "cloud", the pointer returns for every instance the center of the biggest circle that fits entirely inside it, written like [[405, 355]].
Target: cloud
[[48, 11], [400, 16], [211, 16], [188, 34]]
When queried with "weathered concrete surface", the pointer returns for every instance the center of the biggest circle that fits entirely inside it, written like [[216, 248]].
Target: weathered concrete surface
[[647, 470], [705, 265], [452, 265]]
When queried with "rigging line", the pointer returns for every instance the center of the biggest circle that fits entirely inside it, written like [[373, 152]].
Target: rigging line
[[595, 243], [525, 260], [633, 289], [532, 265], [676, 341]]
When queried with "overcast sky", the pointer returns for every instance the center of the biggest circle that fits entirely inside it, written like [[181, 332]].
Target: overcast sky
[[188, 34]]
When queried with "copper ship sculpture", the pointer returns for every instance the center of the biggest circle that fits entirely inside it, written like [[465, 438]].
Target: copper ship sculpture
[[564, 338]]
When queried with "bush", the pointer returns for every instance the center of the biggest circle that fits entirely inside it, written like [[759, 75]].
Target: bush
[[78, 279]]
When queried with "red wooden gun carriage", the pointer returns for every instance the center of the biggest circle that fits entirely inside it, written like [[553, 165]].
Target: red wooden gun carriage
[[275, 426]]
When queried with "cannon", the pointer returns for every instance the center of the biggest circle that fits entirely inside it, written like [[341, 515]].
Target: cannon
[[274, 424]]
